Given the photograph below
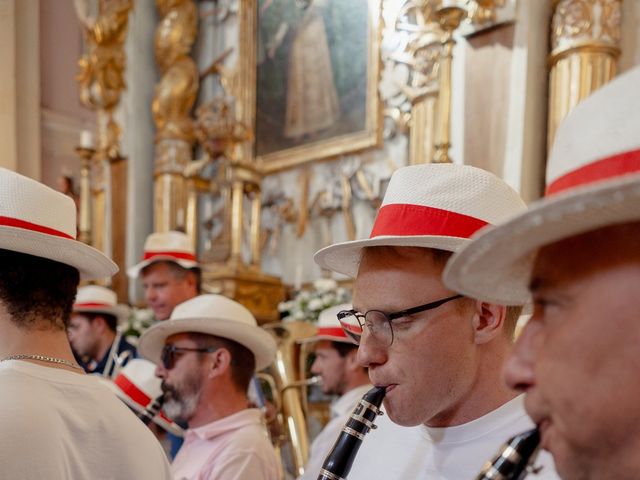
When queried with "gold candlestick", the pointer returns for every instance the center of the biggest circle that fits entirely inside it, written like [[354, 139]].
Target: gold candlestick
[[84, 224]]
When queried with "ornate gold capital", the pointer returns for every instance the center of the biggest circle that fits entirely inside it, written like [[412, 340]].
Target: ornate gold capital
[[586, 24]]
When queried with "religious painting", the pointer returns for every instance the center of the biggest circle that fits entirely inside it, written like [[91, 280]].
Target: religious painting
[[316, 80]]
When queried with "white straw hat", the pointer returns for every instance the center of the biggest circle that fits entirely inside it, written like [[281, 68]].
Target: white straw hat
[[137, 386], [97, 299], [212, 315], [434, 206], [593, 181], [169, 246], [329, 327], [37, 220]]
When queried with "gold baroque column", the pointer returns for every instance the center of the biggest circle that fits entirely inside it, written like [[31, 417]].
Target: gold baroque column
[[585, 39], [174, 98]]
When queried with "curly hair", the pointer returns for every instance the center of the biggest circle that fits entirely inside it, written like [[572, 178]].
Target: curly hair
[[38, 293]]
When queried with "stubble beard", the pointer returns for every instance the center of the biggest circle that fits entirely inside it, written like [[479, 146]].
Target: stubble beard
[[181, 401]]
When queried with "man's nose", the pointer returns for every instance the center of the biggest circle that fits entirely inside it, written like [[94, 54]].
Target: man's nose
[[370, 352], [519, 369], [315, 367], [160, 372]]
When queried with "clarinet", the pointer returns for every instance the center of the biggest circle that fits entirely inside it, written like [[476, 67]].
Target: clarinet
[[338, 463], [152, 410], [514, 457]]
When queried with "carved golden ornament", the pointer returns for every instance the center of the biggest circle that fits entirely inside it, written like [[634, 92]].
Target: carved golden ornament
[[572, 19], [483, 11], [217, 129], [612, 20], [586, 21], [427, 61], [101, 68], [176, 92], [101, 75]]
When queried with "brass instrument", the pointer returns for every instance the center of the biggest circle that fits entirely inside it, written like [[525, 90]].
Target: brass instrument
[[513, 460], [288, 371]]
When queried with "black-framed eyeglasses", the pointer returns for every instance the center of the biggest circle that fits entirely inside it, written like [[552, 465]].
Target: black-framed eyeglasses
[[379, 323], [170, 352]]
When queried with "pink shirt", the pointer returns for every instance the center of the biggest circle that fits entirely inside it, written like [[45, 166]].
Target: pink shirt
[[236, 447]]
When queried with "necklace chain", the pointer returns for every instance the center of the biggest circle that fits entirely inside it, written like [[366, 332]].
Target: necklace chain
[[42, 358]]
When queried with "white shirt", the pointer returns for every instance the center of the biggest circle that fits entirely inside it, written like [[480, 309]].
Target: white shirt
[[452, 453], [58, 424], [341, 410]]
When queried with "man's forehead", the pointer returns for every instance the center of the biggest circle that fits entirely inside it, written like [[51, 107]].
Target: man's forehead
[[390, 283], [161, 267], [182, 339], [585, 254], [78, 317]]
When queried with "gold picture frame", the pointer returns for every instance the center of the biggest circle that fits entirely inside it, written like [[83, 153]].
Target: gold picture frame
[[318, 47]]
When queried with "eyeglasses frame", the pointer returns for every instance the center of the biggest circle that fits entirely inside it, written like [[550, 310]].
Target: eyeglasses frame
[[174, 349], [361, 317]]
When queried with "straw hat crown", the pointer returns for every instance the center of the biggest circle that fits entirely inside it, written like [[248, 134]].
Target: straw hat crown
[[169, 246], [37, 220], [436, 206], [98, 299], [212, 315]]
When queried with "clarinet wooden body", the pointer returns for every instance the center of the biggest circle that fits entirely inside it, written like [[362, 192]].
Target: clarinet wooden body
[[513, 459], [338, 463]]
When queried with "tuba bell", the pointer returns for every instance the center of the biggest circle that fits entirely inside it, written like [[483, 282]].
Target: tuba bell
[[287, 385]]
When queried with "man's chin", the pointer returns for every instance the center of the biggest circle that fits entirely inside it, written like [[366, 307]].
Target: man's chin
[[174, 410]]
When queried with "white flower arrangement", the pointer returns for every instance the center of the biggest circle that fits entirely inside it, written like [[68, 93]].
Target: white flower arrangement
[[307, 304], [140, 319]]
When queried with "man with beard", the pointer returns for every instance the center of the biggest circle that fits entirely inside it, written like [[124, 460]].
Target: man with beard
[[335, 362], [93, 330], [577, 252], [206, 355], [57, 423], [437, 353]]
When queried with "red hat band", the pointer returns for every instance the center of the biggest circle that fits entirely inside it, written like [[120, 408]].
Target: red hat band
[[179, 255], [604, 169], [407, 220]]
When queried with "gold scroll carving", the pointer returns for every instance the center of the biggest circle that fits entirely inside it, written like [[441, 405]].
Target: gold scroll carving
[[585, 39]]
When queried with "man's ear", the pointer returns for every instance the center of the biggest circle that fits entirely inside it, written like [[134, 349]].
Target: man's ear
[[488, 321], [100, 323], [219, 362], [192, 280]]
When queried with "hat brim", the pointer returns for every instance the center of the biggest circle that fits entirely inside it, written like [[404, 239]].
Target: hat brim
[[345, 257], [121, 312], [134, 271], [496, 266], [90, 262], [171, 427], [259, 341]]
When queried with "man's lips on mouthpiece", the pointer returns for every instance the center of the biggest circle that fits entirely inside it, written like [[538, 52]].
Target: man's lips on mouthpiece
[[388, 387]]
